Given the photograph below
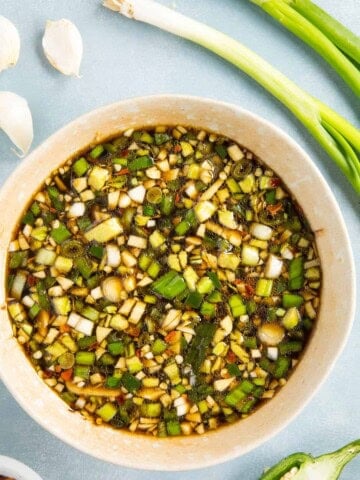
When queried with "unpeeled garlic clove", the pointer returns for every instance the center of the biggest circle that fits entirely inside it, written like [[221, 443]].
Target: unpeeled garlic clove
[[16, 120], [63, 47], [9, 44]]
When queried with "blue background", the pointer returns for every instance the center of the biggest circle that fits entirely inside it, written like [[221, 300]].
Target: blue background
[[125, 59]]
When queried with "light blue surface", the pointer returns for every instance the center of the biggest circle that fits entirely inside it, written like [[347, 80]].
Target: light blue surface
[[124, 59]]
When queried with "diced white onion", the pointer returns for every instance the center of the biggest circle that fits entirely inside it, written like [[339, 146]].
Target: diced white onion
[[260, 231], [138, 242], [273, 267], [85, 326], [113, 258], [249, 255], [77, 209], [235, 153], [137, 194], [137, 312], [272, 353], [223, 384], [124, 200]]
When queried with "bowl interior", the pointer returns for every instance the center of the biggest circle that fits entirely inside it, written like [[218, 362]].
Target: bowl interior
[[13, 468], [307, 185]]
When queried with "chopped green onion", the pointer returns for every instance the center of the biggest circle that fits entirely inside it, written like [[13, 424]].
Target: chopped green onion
[[85, 358], [264, 287], [130, 382], [82, 371], [86, 342], [291, 300], [17, 259], [296, 273], [161, 138], [169, 285], [290, 347], [97, 151], [282, 366], [107, 411], [237, 306], [151, 409], [113, 382], [148, 210], [234, 370], [116, 348], [215, 279], [54, 196], [185, 225], [194, 299], [80, 167], [140, 163], [208, 309], [195, 355], [28, 218], [167, 204], [158, 347], [84, 265], [60, 234], [173, 427]]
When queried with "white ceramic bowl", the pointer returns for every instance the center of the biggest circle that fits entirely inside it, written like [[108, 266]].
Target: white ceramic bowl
[[304, 180], [15, 469]]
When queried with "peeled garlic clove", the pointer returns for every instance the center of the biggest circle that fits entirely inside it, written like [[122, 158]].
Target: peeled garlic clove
[[9, 44], [16, 120], [63, 47]]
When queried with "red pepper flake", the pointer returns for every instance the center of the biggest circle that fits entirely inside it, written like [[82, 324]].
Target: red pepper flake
[[249, 290], [48, 374], [125, 153], [177, 148], [274, 209], [66, 375], [93, 347], [31, 280], [231, 357], [123, 171], [238, 281], [58, 369], [171, 337], [133, 331], [64, 328], [178, 197], [120, 399], [275, 182]]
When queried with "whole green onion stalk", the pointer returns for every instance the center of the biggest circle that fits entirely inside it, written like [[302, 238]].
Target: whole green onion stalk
[[339, 138], [316, 35], [301, 466], [342, 37]]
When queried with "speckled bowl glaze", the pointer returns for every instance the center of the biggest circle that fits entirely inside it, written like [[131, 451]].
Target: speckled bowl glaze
[[304, 180], [14, 469]]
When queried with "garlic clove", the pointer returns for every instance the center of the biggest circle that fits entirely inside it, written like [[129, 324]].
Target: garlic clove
[[63, 47], [16, 120], [9, 44]]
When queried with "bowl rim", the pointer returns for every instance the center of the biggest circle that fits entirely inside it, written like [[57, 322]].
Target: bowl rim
[[11, 466], [179, 464]]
